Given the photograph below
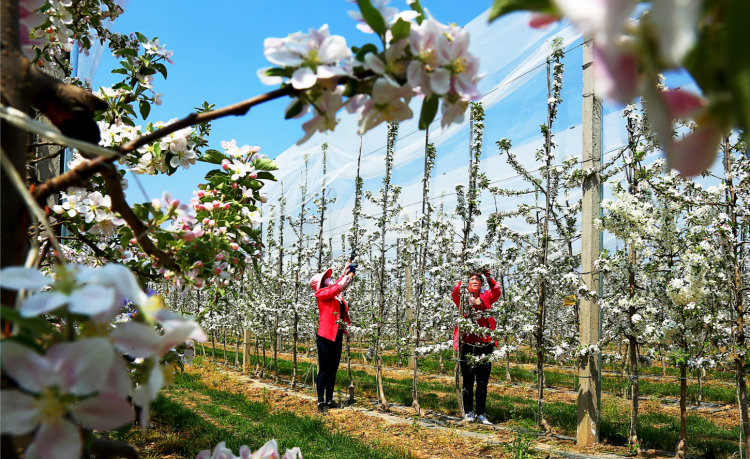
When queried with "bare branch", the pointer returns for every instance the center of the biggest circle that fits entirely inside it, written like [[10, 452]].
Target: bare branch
[[78, 176], [31, 146], [140, 230]]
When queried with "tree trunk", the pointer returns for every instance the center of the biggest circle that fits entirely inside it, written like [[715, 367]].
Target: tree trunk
[[507, 362], [213, 346], [237, 352], [225, 347], [634, 377], [294, 351], [681, 446], [349, 368]]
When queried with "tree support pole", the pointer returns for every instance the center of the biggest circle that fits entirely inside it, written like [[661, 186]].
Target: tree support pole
[[590, 389]]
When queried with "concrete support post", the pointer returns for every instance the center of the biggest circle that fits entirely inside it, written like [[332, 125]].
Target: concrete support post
[[589, 391], [246, 353]]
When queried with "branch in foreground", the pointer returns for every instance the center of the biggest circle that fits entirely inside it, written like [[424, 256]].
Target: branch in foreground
[[237, 109], [77, 177], [140, 230]]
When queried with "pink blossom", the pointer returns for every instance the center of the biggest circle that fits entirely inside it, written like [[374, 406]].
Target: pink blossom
[[542, 20], [67, 371]]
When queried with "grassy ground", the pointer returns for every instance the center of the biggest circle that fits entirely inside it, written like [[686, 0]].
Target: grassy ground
[[657, 428], [191, 416], [718, 393]]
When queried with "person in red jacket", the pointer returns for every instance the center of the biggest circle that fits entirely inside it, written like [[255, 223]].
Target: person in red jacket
[[333, 311], [477, 345]]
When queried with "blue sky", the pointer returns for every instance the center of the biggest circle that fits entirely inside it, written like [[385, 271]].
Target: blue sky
[[218, 47]]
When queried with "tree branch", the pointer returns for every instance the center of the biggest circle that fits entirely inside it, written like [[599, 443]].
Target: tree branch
[[237, 109], [140, 230], [31, 146], [78, 176], [45, 158]]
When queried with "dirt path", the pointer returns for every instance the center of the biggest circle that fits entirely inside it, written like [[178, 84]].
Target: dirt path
[[427, 437]]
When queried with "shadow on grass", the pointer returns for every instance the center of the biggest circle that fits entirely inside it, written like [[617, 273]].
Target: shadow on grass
[[234, 419], [655, 430]]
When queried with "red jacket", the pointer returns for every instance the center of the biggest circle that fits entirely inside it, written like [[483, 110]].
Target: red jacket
[[328, 309], [488, 297]]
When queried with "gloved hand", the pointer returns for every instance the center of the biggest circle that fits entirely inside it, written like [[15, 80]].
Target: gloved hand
[[353, 268], [353, 254]]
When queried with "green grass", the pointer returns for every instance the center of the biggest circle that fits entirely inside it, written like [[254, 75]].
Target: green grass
[[610, 384], [655, 430], [238, 421]]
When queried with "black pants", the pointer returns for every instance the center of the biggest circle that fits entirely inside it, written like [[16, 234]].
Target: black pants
[[329, 357], [479, 373]]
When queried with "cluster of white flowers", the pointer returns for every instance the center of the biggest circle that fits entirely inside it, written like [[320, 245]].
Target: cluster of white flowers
[[94, 207], [439, 63]]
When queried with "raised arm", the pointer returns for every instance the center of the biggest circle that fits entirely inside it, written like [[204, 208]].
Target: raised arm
[[495, 291], [329, 292], [457, 294]]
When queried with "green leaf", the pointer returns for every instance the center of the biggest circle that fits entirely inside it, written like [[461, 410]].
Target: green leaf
[[214, 173], [265, 164], [418, 8], [276, 71], [127, 65], [213, 157], [121, 71], [36, 325], [122, 85], [400, 30], [266, 176], [295, 110], [145, 108], [141, 211], [503, 7], [429, 110], [249, 183], [126, 234], [372, 17], [161, 68], [127, 108], [141, 37], [368, 48], [147, 71], [128, 121], [127, 52]]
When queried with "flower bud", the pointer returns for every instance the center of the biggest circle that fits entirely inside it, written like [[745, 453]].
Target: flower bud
[[234, 246], [211, 222], [220, 256], [188, 236], [156, 203], [200, 193], [263, 198], [198, 264], [225, 164], [234, 185], [235, 261]]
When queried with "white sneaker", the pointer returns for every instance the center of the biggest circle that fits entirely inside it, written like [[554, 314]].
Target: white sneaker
[[483, 419], [470, 417]]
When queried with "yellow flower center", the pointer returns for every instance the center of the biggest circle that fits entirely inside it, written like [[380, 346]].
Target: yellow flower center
[[51, 406]]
